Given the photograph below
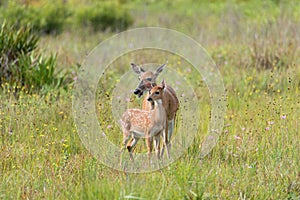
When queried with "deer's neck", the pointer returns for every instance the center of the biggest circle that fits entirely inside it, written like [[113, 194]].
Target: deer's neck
[[158, 110]]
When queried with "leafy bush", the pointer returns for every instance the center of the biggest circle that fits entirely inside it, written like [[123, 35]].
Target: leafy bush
[[22, 67], [49, 19], [52, 18], [105, 15]]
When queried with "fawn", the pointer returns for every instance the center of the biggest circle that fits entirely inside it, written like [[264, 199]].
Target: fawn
[[137, 123]]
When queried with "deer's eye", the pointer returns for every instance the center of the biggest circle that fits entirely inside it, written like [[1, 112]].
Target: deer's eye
[[149, 79], [157, 92]]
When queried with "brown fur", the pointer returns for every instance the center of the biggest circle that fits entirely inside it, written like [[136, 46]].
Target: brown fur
[[138, 123], [170, 102]]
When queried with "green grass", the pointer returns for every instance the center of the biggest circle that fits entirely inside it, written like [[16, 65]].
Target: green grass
[[257, 155]]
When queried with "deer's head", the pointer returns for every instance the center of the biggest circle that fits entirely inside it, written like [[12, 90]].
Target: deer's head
[[157, 92], [147, 78]]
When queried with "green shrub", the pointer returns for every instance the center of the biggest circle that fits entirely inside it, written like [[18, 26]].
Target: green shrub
[[48, 19], [53, 18], [104, 15], [22, 67]]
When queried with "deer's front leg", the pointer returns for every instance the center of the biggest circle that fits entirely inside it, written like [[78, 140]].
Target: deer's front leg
[[149, 144], [156, 145]]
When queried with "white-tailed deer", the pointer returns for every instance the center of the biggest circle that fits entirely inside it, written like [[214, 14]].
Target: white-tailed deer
[[137, 123], [170, 101]]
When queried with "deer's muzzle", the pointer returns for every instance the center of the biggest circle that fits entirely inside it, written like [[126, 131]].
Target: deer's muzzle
[[138, 92]]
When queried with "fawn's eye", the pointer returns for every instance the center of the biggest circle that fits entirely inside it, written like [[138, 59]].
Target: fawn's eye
[[149, 79], [157, 92]]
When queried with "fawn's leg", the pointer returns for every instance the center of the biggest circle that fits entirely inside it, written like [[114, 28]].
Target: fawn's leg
[[149, 147], [132, 145], [156, 145], [126, 137]]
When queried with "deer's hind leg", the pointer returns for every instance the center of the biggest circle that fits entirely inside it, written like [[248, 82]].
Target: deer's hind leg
[[132, 144], [126, 138], [166, 141], [170, 125], [170, 129]]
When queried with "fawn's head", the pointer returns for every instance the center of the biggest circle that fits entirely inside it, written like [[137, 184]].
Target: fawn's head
[[157, 92], [147, 78]]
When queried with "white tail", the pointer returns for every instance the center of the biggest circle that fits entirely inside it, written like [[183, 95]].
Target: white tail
[[150, 124], [170, 101]]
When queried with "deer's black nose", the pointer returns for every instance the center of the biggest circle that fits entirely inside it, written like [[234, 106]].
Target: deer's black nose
[[137, 91], [149, 99]]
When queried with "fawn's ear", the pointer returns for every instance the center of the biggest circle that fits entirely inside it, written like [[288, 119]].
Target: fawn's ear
[[159, 70], [137, 69]]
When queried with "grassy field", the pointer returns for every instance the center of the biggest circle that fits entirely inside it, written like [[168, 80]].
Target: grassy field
[[255, 45]]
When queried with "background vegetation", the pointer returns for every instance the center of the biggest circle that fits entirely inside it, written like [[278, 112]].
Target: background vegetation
[[256, 47]]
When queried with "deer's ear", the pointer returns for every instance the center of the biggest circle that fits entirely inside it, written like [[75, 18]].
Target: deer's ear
[[137, 69], [163, 84], [159, 69]]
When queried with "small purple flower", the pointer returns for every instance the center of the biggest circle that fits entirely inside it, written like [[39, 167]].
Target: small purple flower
[[271, 122], [283, 116], [109, 126], [225, 131], [127, 99], [267, 128], [243, 129], [103, 134], [210, 137], [237, 137]]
